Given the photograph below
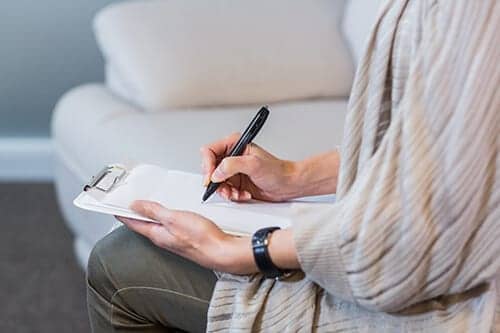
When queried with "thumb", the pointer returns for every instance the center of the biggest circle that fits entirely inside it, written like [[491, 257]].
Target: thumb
[[152, 210], [231, 166]]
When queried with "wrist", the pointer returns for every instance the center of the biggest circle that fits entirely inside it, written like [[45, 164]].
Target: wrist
[[293, 171], [318, 175], [301, 173], [282, 249], [236, 253], [237, 256]]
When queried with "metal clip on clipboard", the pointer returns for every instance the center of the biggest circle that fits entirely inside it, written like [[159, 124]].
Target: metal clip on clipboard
[[106, 179]]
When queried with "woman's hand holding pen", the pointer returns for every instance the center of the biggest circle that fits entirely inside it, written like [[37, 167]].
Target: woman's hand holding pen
[[256, 174]]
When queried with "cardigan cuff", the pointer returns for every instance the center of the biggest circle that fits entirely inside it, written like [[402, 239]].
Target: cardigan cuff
[[316, 232]]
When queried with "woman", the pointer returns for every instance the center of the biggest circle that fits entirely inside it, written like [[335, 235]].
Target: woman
[[412, 243]]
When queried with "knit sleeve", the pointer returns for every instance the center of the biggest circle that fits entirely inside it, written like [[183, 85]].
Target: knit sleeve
[[422, 218]]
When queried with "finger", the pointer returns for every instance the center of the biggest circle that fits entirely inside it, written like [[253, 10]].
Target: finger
[[208, 162], [222, 147], [153, 210], [206, 178], [141, 227], [156, 233], [240, 195], [163, 238], [230, 166], [247, 196], [216, 150], [243, 196], [235, 194], [224, 191]]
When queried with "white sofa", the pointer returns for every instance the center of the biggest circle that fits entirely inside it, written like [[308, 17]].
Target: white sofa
[[180, 74]]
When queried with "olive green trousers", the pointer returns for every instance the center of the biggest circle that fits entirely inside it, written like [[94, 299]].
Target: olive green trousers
[[135, 286]]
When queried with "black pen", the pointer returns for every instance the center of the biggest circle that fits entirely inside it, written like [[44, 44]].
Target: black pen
[[238, 149]]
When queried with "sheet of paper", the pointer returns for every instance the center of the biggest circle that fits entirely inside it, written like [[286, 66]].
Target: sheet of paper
[[180, 190]]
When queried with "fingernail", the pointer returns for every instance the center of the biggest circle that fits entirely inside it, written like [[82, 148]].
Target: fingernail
[[226, 193], [235, 194], [206, 180]]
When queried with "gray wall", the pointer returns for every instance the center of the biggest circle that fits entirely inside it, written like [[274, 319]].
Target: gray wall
[[46, 47]]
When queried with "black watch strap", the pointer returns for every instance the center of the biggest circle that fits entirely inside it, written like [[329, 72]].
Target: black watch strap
[[261, 253]]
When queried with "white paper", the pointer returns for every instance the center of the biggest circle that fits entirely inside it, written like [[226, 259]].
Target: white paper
[[183, 191]]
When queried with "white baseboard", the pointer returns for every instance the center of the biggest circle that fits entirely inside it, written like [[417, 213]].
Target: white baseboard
[[26, 159]]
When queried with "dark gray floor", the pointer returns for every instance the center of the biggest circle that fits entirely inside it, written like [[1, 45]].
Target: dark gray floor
[[41, 287]]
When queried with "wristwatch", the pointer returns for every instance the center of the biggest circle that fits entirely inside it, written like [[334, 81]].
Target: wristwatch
[[261, 254]]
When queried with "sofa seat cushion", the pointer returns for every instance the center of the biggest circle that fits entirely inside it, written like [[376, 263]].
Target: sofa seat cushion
[[92, 127]]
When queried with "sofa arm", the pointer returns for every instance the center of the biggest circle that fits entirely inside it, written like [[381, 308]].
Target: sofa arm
[[178, 53]]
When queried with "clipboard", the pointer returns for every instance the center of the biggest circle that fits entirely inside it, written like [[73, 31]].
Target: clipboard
[[116, 186]]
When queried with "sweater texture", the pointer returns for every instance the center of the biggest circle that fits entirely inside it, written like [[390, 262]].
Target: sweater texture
[[412, 243]]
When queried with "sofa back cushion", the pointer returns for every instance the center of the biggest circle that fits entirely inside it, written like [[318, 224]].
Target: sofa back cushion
[[177, 53], [359, 18]]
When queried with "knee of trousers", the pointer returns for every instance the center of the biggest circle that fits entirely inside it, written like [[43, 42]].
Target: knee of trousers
[[110, 264], [97, 267]]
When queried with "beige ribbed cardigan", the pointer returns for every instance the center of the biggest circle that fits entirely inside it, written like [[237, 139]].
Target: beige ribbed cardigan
[[413, 241]]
